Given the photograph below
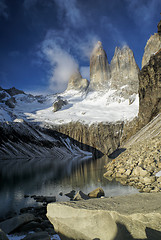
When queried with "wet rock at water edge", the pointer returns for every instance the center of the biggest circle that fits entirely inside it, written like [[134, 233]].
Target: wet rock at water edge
[[80, 196], [38, 236], [45, 199], [97, 193], [70, 194], [12, 224], [3, 235]]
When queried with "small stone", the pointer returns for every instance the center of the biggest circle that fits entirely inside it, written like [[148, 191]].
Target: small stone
[[97, 193], [80, 196]]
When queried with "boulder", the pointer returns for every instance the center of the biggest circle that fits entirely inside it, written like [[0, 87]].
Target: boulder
[[97, 193], [70, 194], [58, 104], [80, 196], [12, 224], [3, 235], [37, 236], [136, 216]]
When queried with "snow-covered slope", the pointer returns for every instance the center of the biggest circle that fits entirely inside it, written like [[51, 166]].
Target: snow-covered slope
[[88, 108], [94, 107]]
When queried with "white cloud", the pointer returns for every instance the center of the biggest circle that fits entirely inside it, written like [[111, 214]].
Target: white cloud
[[62, 65], [61, 48], [3, 9]]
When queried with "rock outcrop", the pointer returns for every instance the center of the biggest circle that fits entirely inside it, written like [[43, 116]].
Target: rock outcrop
[[150, 90], [124, 72], [76, 82], [99, 69], [59, 103], [104, 137], [121, 218], [159, 28], [153, 45]]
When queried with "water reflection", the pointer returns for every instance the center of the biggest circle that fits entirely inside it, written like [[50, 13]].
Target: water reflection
[[50, 176]]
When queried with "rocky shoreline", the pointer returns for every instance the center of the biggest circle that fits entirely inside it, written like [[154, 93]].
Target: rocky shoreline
[[139, 165]]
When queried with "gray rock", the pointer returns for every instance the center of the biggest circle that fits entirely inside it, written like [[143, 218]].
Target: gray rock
[[153, 45], [12, 224], [38, 236], [124, 72], [76, 82], [58, 104], [70, 194], [3, 235], [125, 217], [80, 196], [97, 193], [31, 226], [99, 69]]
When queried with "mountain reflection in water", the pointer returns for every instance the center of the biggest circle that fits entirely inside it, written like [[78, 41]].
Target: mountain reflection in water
[[49, 177]]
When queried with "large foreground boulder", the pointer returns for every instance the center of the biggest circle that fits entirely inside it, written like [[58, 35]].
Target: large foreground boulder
[[129, 217]]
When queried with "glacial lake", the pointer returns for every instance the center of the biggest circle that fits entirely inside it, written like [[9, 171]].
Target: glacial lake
[[49, 177]]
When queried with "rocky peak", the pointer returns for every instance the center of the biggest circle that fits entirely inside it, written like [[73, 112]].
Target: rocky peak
[[124, 70], [76, 82], [159, 28], [99, 69], [153, 45]]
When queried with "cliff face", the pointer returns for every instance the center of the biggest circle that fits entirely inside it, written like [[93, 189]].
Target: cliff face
[[105, 137], [150, 89], [99, 69], [76, 82], [124, 71], [153, 45]]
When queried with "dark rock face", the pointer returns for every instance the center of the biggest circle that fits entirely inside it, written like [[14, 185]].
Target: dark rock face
[[124, 71], [159, 28], [99, 69], [104, 137], [150, 89], [76, 82]]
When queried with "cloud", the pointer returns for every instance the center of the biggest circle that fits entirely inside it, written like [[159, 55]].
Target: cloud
[[62, 47], [3, 9], [69, 13], [62, 64], [143, 11]]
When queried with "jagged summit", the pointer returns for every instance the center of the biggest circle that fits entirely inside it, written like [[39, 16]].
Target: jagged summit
[[153, 45], [124, 70], [76, 82], [99, 69]]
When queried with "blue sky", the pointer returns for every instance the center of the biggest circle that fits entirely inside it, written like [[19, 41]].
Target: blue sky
[[43, 41]]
